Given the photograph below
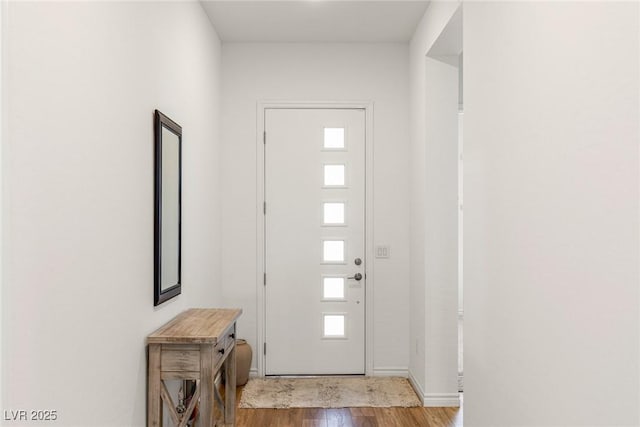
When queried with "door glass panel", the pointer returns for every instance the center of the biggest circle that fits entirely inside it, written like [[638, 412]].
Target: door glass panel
[[333, 288], [333, 213], [333, 138], [334, 325], [334, 175], [333, 251]]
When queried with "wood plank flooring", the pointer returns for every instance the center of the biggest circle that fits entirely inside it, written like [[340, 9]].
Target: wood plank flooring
[[348, 417]]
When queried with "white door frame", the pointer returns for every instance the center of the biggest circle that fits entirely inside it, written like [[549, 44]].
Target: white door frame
[[261, 312]]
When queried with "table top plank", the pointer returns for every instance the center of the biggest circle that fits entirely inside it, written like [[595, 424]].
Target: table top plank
[[195, 326]]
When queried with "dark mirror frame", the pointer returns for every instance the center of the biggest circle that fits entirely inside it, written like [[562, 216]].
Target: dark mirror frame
[[160, 295]]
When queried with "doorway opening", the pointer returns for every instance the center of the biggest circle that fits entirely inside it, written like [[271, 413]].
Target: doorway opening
[[444, 131]]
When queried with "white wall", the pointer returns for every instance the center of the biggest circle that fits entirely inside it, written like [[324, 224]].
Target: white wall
[[433, 148], [551, 214], [2, 139], [320, 72], [83, 82], [441, 236]]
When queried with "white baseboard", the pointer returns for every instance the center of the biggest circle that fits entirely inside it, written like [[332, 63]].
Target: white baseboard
[[391, 372], [377, 372], [434, 400], [442, 400], [416, 387]]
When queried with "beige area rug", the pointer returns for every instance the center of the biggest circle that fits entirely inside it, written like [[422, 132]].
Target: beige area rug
[[328, 392]]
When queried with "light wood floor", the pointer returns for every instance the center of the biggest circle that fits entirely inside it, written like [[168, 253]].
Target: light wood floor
[[348, 417]]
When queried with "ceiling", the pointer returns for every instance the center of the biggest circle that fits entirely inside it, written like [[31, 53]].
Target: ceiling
[[315, 20]]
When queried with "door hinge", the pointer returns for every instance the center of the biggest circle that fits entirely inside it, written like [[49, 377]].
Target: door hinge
[[264, 208], [265, 279], [264, 137], [264, 349]]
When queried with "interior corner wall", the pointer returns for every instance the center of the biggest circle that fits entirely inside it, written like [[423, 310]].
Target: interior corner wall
[[320, 72], [551, 213], [83, 80], [427, 300]]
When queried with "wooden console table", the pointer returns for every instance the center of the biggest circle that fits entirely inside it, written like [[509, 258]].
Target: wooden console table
[[195, 345]]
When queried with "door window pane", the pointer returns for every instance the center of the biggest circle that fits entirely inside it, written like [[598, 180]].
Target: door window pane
[[333, 213], [334, 325], [333, 251], [333, 287], [334, 138], [334, 175]]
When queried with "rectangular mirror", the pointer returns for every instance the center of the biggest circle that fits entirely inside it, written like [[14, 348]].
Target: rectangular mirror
[[168, 192]]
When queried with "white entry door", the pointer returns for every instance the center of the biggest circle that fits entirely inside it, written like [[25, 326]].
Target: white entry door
[[315, 241]]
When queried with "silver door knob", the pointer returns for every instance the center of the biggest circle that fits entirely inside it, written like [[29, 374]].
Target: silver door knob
[[357, 261], [357, 276]]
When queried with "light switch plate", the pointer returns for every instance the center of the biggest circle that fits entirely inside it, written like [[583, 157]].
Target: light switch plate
[[383, 251]]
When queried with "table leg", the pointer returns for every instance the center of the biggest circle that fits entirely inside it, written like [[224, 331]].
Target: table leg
[[154, 403], [230, 388], [206, 386]]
